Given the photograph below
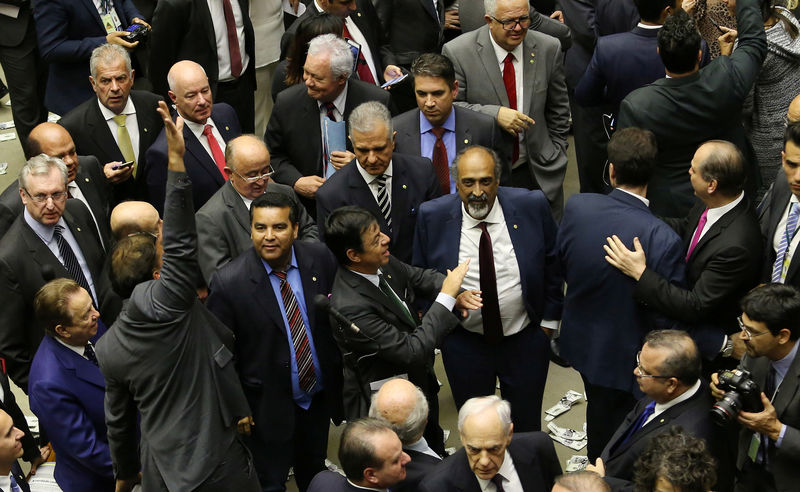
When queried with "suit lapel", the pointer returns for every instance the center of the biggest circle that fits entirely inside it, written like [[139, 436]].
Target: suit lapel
[[399, 197], [194, 147], [490, 64], [361, 194], [84, 369], [147, 121], [412, 135], [369, 290], [101, 134], [96, 204], [41, 254], [93, 13], [463, 133], [87, 242], [311, 114], [529, 78], [788, 387], [429, 8], [452, 232], [719, 226], [518, 236], [527, 469], [307, 267], [262, 291], [235, 204]]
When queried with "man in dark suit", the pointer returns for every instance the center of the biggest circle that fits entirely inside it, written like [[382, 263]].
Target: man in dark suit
[[492, 455], [723, 247], [66, 388], [117, 126], [11, 448], [294, 133], [208, 127], [53, 237], [436, 87], [600, 314], [265, 296], [377, 292], [168, 362], [68, 31], [391, 186], [371, 457], [780, 220], [668, 372], [768, 454], [404, 407], [85, 180], [223, 223], [694, 105], [202, 32], [510, 235], [412, 27]]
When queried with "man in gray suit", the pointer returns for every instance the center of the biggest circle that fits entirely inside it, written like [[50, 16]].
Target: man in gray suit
[[169, 363], [517, 76], [223, 223], [418, 130]]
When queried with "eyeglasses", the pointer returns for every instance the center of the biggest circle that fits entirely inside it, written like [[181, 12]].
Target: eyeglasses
[[749, 334], [641, 371], [253, 179], [42, 198], [143, 233], [510, 24]]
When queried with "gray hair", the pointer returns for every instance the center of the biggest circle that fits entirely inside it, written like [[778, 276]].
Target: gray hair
[[365, 117], [39, 165], [498, 165], [490, 7], [107, 54], [477, 405], [337, 49], [413, 427]]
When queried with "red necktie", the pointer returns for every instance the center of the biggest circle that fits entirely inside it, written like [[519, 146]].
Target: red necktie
[[440, 166], [233, 39], [216, 151], [490, 312], [696, 238], [302, 350], [361, 67], [510, 81]]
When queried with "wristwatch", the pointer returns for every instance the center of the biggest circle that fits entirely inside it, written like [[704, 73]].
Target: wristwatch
[[727, 351]]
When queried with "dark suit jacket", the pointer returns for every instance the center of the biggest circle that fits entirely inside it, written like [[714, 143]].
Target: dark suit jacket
[[776, 207], [12, 30], [412, 27], [600, 315], [534, 459], [472, 128], [782, 461], [91, 135], [223, 226], [68, 31], [413, 182], [687, 111], [66, 393], [183, 30], [9, 405], [399, 347], [328, 481], [724, 266], [203, 171], [26, 264], [168, 362], [417, 469], [533, 235]]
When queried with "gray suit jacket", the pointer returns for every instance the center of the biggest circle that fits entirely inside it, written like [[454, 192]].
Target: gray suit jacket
[[223, 227], [170, 361], [545, 99]]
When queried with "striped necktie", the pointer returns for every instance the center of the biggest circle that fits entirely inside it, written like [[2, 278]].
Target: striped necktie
[[384, 202], [302, 349], [70, 260], [781, 263]]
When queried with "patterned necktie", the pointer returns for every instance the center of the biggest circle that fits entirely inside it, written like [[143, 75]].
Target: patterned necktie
[[302, 349], [384, 202], [490, 312], [389, 292], [781, 265], [216, 150], [329, 107], [510, 81], [124, 140], [497, 480], [70, 260], [233, 39], [696, 238], [440, 165], [89, 353], [14, 484], [362, 68]]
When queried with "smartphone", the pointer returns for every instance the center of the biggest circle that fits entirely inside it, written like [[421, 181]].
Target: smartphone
[[122, 166]]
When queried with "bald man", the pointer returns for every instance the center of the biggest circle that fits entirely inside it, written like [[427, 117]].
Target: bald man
[[134, 217], [404, 407], [85, 179], [208, 127], [793, 114]]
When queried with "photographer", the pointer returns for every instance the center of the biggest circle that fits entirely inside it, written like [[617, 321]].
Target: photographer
[[769, 442]]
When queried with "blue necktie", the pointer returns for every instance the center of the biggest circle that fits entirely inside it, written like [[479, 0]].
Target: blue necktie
[[778, 270], [14, 485], [639, 422]]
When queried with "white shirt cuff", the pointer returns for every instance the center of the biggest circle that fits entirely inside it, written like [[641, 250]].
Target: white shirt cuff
[[550, 324], [447, 301]]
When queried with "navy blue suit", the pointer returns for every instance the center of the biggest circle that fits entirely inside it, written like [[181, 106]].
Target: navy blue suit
[[66, 392], [533, 235], [68, 31], [200, 166], [413, 182]]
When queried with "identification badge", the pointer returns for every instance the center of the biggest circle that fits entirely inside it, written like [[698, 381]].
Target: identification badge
[[108, 23], [755, 442]]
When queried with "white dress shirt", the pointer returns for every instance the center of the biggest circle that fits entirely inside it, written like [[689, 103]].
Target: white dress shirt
[[518, 53], [640, 197], [221, 36], [372, 181], [714, 214], [76, 193], [445, 300], [780, 231], [359, 38], [80, 350], [131, 124], [511, 481], [197, 130], [663, 407], [421, 446]]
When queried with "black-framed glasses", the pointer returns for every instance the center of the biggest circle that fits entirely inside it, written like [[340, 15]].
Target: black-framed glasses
[[509, 24], [642, 373], [40, 198], [253, 179], [749, 334]]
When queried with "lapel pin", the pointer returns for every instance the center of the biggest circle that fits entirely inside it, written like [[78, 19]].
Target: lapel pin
[[226, 128], [359, 14], [404, 187], [314, 279], [389, 276], [662, 421], [145, 130], [466, 140], [86, 179], [78, 228], [516, 226]]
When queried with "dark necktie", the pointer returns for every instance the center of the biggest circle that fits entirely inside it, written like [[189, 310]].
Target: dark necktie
[[362, 68], [388, 292], [384, 202], [216, 150], [510, 81], [233, 38], [89, 353], [70, 260], [440, 165], [497, 480], [302, 349], [329, 107], [490, 312], [638, 423]]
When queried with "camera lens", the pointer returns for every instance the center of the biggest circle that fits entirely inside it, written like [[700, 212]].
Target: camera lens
[[724, 411]]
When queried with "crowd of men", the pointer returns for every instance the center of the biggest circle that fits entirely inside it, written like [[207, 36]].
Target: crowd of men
[[198, 280]]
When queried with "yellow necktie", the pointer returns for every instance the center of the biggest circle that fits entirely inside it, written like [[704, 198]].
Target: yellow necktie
[[124, 141]]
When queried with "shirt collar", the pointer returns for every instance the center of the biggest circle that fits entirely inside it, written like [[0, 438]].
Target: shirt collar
[[369, 178], [501, 53], [640, 197], [108, 114], [364, 488], [646, 26], [715, 214], [197, 128], [495, 216], [78, 350], [421, 446], [506, 470], [449, 124], [45, 232], [782, 366], [292, 263], [340, 100], [246, 200], [662, 407]]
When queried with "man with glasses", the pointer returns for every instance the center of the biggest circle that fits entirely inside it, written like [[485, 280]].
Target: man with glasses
[[668, 373], [769, 440], [223, 223], [53, 237], [517, 76]]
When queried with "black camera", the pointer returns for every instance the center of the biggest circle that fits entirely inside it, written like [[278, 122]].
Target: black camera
[[741, 393], [138, 32]]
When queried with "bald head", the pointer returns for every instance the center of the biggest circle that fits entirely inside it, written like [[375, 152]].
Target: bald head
[[132, 217], [793, 115], [404, 407], [189, 90], [54, 140], [721, 161]]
